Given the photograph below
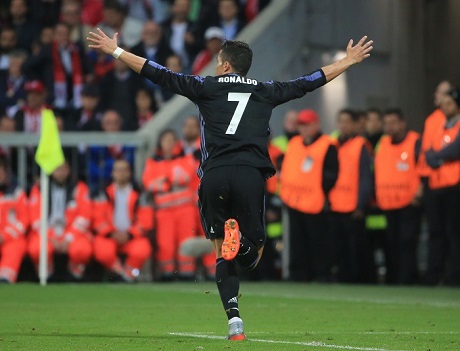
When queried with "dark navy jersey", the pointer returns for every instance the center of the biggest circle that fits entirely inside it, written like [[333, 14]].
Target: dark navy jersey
[[234, 112]]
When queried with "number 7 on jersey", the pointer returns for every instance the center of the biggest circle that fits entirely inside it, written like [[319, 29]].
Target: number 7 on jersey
[[242, 99]]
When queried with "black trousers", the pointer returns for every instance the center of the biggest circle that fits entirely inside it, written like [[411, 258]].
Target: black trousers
[[401, 242], [354, 255], [310, 250], [443, 214]]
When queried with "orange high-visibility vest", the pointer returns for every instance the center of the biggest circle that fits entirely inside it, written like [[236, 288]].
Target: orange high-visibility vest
[[396, 176], [77, 211], [302, 174], [344, 195], [272, 183], [140, 213], [170, 181], [433, 123], [449, 173], [14, 214]]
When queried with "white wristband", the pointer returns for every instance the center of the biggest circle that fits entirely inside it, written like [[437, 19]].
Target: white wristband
[[118, 51]]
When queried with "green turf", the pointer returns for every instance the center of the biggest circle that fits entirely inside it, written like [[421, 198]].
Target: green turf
[[306, 317]]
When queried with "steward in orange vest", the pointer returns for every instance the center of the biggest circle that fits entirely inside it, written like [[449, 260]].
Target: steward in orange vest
[[444, 206], [169, 176], [349, 198], [69, 222], [308, 172], [432, 123], [122, 218], [270, 263], [14, 222], [398, 192]]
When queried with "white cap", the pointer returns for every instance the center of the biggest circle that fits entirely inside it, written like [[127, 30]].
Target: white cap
[[214, 32]]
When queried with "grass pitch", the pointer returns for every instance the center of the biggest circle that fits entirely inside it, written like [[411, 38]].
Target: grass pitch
[[189, 316]]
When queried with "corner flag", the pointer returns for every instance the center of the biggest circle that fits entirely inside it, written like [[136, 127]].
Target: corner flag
[[49, 155]]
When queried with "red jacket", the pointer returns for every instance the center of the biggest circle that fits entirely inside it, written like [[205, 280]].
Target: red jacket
[[139, 210], [77, 212], [171, 181], [14, 217]]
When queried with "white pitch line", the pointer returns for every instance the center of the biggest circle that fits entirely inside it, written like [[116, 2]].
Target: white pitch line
[[312, 343]]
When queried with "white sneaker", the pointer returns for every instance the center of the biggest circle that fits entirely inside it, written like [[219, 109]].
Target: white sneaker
[[235, 329]]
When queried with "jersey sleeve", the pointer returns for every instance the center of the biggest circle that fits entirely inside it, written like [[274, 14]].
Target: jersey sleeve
[[281, 92], [185, 85]]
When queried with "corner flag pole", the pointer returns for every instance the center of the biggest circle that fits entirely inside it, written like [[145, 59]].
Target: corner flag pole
[[43, 263], [49, 156]]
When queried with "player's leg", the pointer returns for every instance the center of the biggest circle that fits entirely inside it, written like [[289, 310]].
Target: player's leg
[[248, 209], [214, 200]]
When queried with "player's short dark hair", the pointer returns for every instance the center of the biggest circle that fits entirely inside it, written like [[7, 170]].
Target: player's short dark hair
[[238, 54], [395, 111], [354, 115]]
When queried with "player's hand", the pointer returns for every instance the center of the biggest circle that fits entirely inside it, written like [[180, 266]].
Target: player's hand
[[102, 42], [360, 51]]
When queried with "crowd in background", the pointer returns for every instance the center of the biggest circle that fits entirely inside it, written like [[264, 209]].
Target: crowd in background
[[343, 197], [364, 190], [45, 62]]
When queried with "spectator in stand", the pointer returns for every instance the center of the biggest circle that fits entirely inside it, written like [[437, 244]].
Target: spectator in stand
[[173, 63], [63, 67], [214, 37], [92, 12], [168, 176], [181, 34], [28, 118], [191, 136], [100, 159], [118, 92], [115, 20], [349, 200], [7, 125], [253, 7], [152, 45], [7, 43], [122, 219], [398, 194], [88, 117], [308, 173], [145, 106], [102, 64], [71, 16], [148, 10], [14, 221], [374, 126], [26, 30], [12, 83], [444, 206], [46, 38], [69, 222], [45, 12], [229, 19]]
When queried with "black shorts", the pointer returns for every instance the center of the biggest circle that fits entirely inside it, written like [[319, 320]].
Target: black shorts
[[233, 192]]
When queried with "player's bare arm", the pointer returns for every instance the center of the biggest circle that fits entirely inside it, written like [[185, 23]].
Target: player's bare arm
[[355, 54], [107, 45]]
